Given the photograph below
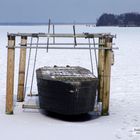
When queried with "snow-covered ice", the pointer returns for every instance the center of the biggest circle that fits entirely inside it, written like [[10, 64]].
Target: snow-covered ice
[[124, 99]]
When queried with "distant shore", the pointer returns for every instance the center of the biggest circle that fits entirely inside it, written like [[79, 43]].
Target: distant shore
[[121, 20]]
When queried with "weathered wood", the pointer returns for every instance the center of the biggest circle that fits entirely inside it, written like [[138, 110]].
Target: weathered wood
[[10, 75], [30, 106], [101, 68], [64, 35], [60, 96], [107, 75], [22, 65]]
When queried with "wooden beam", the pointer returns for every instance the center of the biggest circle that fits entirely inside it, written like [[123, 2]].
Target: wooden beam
[[101, 68], [84, 35], [22, 66], [10, 74], [107, 75], [30, 106]]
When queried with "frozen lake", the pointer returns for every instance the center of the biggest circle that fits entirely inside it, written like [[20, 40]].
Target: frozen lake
[[124, 99]]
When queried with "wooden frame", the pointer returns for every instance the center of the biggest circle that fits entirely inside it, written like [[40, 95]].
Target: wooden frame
[[104, 70]]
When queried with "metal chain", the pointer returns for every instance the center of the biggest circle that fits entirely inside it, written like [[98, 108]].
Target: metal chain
[[27, 71], [95, 53], [34, 66], [90, 52], [53, 34]]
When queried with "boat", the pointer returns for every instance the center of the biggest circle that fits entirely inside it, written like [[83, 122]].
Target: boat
[[69, 90]]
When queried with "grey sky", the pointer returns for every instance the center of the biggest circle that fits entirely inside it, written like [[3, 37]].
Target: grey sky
[[62, 10]]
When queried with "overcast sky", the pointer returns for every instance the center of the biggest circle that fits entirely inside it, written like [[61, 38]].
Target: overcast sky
[[63, 10]]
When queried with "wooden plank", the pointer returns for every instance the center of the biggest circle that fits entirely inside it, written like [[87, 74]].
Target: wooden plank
[[64, 35], [107, 75], [22, 66], [30, 106], [101, 68], [10, 75]]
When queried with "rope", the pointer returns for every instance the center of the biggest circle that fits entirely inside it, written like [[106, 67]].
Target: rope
[[27, 71], [95, 53], [34, 66], [90, 52]]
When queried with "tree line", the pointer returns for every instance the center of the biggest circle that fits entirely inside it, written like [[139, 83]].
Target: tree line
[[126, 19]]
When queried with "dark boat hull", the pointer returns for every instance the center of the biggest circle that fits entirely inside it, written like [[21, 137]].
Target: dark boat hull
[[66, 97]]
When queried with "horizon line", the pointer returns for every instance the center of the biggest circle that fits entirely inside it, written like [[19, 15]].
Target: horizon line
[[45, 23]]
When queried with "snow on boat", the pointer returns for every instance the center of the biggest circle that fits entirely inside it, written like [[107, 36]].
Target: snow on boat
[[66, 90]]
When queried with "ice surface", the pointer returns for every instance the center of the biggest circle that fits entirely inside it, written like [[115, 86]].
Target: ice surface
[[124, 100]]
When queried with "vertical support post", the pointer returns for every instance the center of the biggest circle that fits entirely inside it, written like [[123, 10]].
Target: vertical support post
[[10, 74], [22, 66], [107, 75], [101, 68]]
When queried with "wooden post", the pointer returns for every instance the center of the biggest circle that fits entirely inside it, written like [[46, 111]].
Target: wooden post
[[10, 74], [22, 65], [107, 75], [101, 68]]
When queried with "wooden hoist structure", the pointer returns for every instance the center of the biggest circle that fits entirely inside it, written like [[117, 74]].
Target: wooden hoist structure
[[100, 43]]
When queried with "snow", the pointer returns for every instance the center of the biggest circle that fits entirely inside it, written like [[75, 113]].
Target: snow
[[124, 99]]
